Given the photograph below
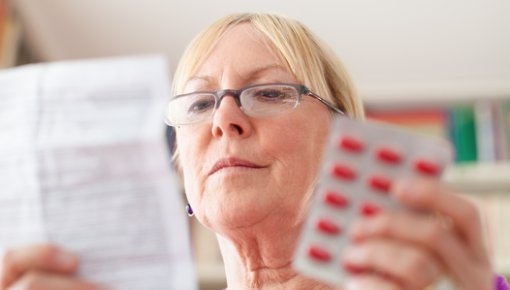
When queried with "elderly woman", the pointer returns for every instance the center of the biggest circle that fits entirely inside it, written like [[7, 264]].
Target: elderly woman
[[255, 95]]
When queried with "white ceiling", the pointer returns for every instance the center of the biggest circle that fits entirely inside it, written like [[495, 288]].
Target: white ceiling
[[392, 47]]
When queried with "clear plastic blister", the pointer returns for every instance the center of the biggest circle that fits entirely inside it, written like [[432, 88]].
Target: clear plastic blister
[[361, 162]]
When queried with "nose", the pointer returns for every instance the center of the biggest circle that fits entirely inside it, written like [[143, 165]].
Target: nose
[[230, 121]]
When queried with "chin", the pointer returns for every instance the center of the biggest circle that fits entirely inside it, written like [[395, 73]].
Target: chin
[[237, 213]]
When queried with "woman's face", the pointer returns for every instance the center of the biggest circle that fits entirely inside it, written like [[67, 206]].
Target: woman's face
[[239, 170]]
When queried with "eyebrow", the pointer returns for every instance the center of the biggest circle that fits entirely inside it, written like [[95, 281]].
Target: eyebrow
[[252, 75]]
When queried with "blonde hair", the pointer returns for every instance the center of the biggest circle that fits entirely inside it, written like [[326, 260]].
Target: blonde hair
[[313, 63]]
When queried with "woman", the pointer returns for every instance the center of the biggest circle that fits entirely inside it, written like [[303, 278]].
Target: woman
[[249, 147]]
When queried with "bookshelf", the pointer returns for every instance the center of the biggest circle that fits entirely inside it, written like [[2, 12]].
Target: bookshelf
[[479, 178], [211, 276], [485, 182], [208, 262]]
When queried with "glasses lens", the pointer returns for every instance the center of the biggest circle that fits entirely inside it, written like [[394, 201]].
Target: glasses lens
[[269, 100], [190, 108]]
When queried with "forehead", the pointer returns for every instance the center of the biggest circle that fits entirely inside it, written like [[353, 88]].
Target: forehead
[[244, 53]]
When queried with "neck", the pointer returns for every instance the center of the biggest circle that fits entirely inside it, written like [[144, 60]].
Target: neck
[[260, 257]]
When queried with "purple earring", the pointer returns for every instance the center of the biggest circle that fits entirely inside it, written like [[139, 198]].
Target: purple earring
[[189, 210]]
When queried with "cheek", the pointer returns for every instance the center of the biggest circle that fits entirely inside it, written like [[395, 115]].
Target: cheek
[[299, 154], [191, 159]]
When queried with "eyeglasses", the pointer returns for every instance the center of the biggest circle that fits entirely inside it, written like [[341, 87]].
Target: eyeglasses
[[261, 100]]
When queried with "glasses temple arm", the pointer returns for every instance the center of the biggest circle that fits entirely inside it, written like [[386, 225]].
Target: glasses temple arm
[[327, 103]]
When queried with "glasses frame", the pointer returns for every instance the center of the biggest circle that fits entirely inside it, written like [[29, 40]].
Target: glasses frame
[[236, 94]]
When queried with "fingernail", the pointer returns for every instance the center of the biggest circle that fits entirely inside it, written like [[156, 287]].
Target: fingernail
[[405, 188], [353, 255], [356, 232], [66, 260], [352, 259], [366, 228]]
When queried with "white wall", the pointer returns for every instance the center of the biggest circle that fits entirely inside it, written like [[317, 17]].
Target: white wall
[[397, 48]]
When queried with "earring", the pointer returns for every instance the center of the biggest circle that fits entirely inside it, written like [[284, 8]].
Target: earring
[[189, 210]]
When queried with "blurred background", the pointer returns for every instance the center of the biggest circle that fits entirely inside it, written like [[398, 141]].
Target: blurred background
[[433, 45], [440, 67]]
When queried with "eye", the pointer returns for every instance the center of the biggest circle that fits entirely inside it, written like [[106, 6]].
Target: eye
[[201, 104], [271, 95]]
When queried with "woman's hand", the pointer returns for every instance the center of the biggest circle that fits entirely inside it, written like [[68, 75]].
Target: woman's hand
[[412, 249], [40, 267]]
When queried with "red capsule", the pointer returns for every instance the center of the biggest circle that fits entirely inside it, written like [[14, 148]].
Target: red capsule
[[427, 167], [380, 183], [369, 209], [336, 199], [319, 254], [343, 172], [388, 155], [328, 227], [351, 144], [353, 269]]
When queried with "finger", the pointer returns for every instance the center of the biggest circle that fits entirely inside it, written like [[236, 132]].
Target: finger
[[370, 282], [423, 232], [16, 262], [412, 267], [432, 195], [45, 281]]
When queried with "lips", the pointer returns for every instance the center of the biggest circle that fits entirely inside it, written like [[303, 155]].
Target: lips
[[232, 162]]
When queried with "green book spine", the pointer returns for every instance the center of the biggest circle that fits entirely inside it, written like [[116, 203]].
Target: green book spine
[[463, 133]]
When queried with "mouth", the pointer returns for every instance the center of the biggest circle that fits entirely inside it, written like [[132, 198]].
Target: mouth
[[232, 162]]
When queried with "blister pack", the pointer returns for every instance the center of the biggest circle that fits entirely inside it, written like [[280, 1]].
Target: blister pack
[[361, 161]]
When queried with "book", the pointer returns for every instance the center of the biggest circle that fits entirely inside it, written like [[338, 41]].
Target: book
[[462, 130], [432, 121], [84, 165], [486, 127], [503, 130]]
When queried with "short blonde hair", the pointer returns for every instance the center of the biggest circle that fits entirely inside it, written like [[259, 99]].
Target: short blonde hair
[[313, 63]]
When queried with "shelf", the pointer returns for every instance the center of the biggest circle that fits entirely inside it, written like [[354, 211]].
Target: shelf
[[480, 178], [438, 93], [211, 276]]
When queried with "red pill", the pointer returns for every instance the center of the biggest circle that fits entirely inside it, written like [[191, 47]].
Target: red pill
[[427, 167], [343, 172], [388, 155], [336, 199], [328, 227], [380, 183], [369, 209], [351, 144], [319, 254], [353, 269]]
